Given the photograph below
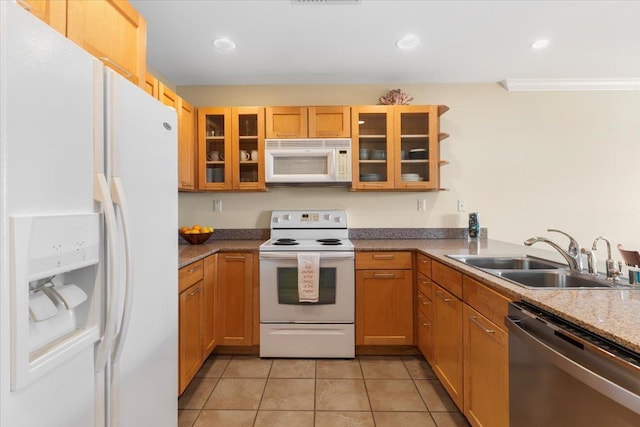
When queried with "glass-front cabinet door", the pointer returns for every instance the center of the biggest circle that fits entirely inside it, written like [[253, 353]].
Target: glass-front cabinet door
[[372, 147], [214, 143], [248, 148]]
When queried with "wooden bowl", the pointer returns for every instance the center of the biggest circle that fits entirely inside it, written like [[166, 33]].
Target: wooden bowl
[[196, 239]]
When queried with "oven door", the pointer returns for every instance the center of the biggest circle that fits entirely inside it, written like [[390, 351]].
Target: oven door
[[279, 289]]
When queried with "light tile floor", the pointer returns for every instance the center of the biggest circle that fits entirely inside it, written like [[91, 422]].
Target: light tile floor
[[383, 391]]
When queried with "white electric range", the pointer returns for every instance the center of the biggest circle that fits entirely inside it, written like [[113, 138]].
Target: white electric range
[[289, 327]]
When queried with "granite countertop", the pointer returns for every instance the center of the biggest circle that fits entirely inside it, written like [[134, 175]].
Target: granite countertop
[[613, 314], [191, 253]]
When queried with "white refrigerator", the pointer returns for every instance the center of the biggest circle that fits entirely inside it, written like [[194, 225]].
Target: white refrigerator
[[88, 242]]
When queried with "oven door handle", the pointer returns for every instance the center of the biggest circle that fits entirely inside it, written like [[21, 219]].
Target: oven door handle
[[294, 255]]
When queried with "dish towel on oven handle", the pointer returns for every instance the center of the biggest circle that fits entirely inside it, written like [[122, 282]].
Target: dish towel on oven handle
[[308, 277]]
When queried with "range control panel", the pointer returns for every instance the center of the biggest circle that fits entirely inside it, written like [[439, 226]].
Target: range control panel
[[309, 219]]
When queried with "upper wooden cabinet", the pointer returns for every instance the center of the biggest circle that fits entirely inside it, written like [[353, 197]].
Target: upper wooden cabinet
[[113, 31], [53, 12], [231, 148], [396, 147], [308, 122], [167, 96], [151, 85], [186, 146]]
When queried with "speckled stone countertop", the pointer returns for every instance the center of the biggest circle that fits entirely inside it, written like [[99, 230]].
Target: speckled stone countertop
[[191, 253], [613, 314]]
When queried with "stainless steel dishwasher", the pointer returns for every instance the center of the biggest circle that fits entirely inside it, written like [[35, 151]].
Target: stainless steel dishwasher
[[562, 375]]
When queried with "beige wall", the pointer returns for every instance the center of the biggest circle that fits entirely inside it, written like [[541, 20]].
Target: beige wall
[[525, 161]]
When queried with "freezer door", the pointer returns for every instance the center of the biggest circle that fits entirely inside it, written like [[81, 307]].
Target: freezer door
[[141, 141], [47, 132]]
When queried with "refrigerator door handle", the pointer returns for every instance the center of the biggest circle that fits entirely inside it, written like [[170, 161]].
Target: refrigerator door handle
[[119, 198], [102, 195]]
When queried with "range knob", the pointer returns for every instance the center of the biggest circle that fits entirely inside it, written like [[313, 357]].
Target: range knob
[[287, 217], [327, 217], [276, 219], [338, 219]]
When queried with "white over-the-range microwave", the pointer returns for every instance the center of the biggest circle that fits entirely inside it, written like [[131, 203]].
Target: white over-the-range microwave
[[308, 160]]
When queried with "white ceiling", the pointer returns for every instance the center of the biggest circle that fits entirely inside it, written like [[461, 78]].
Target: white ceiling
[[281, 42]]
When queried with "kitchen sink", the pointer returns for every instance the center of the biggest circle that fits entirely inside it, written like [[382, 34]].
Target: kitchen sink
[[558, 279], [521, 262], [537, 273]]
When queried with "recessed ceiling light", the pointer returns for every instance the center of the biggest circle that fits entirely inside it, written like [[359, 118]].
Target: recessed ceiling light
[[408, 42], [224, 44], [540, 44]]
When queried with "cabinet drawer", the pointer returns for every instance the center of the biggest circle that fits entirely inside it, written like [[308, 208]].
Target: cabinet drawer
[[383, 260], [447, 277], [486, 301], [425, 337], [190, 274], [423, 265], [425, 285], [425, 305]]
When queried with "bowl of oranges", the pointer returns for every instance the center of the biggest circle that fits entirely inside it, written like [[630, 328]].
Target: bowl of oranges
[[196, 234]]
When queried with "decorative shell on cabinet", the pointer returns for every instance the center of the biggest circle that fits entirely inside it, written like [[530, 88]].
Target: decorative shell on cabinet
[[395, 97]]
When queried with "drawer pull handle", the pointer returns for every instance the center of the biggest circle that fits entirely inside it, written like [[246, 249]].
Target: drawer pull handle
[[194, 269], [281, 135], [474, 319], [197, 291], [114, 64], [384, 275], [378, 256], [26, 6], [425, 282], [326, 133], [424, 261], [442, 297], [234, 257]]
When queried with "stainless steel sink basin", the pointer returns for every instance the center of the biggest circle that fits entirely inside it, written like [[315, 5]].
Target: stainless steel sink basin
[[522, 262], [558, 279], [536, 273]]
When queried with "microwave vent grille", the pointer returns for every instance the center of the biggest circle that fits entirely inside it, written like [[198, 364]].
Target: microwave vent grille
[[308, 143]]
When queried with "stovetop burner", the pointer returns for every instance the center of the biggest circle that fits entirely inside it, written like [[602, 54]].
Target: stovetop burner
[[328, 240], [286, 242]]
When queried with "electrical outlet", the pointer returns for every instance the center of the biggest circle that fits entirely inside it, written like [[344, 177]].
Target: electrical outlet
[[462, 205], [422, 205], [217, 205]]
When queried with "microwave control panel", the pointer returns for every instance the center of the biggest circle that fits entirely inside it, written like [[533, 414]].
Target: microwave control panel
[[343, 165]]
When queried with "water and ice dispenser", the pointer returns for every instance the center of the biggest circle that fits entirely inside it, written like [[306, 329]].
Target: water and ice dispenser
[[56, 291]]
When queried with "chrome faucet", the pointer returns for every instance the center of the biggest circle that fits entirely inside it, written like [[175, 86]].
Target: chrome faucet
[[614, 269], [572, 255]]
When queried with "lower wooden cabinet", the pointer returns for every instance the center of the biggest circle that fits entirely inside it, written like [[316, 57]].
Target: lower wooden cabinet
[[196, 317], [384, 298], [210, 290], [235, 298], [447, 343], [486, 371], [190, 343]]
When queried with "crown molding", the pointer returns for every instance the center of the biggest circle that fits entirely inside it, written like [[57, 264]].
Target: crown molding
[[539, 85]]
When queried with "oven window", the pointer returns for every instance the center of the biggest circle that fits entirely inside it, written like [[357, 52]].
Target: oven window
[[288, 286]]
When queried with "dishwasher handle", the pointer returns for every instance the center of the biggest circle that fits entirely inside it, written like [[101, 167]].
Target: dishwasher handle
[[602, 385]]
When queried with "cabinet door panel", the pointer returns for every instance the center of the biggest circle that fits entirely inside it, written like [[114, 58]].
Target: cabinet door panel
[[53, 12], [486, 371], [209, 305], [114, 32], [372, 132], [286, 122], [190, 340], [384, 307], [448, 343], [186, 146], [235, 296], [329, 122]]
